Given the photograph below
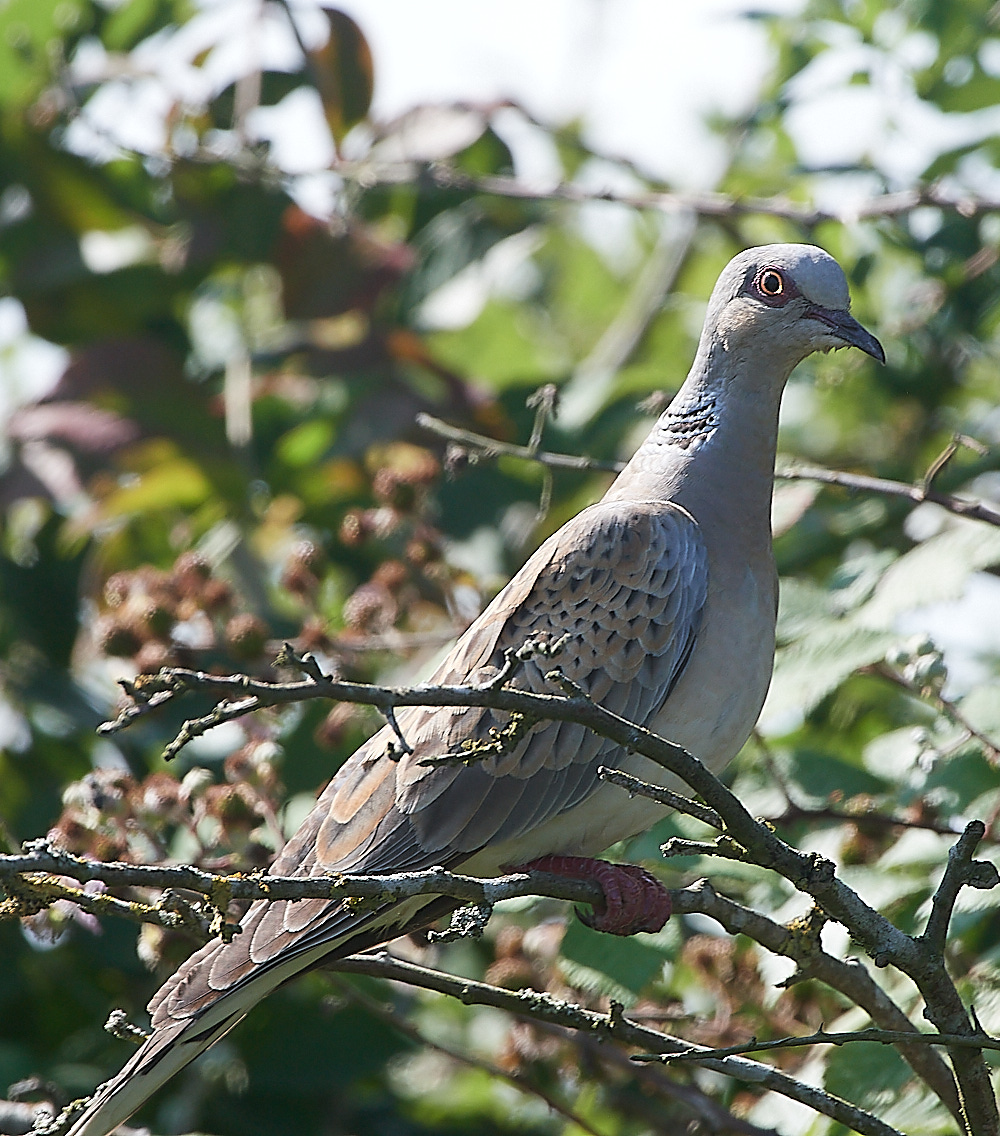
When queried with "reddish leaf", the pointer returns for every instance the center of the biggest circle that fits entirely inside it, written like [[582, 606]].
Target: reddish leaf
[[326, 274], [78, 424], [343, 74]]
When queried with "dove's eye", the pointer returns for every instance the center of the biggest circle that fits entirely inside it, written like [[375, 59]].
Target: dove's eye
[[771, 283]]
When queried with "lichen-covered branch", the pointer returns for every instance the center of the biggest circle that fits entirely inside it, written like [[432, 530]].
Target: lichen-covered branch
[[31, 882]]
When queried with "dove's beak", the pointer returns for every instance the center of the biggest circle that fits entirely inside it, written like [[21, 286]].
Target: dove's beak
[[844, 326]]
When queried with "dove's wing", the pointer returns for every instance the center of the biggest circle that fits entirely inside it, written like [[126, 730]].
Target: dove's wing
[[625, 583]]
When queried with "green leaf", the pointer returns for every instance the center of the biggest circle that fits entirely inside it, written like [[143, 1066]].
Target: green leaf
[[801, 605], [864, 1070], [621, 967], [306, 443], [981, 707], [893, 755], [821, 774], [176, 483], [935, 570], [810, 668], [959, 779], [29, 31], [125, 26], [501, 347]]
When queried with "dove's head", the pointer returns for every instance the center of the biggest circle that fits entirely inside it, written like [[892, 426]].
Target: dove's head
[[776, 304]]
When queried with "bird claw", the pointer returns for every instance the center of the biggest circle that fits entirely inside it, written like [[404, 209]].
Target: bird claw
[[634, 900]]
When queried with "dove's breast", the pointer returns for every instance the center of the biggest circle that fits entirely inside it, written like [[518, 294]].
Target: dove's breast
[[708, 717]]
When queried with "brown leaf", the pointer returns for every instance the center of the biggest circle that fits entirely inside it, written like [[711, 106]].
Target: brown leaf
[[343, 73]]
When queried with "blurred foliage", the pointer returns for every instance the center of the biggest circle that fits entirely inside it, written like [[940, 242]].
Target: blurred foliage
[[227, 456]]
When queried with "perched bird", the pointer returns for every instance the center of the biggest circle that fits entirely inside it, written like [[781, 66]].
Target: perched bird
[[666, 592]]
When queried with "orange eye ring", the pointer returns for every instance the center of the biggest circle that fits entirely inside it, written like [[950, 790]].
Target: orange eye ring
[[771, 283]]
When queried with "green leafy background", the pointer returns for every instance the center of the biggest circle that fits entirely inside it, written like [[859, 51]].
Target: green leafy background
[[341, 523]]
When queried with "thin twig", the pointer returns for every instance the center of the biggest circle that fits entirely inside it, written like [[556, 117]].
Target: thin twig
[[487, 447], [944, 705], [713, 1115], [943, 458], [706, 204], [883, 1037], [863, 817], [638, 788], [544, 402], [490, 448], [960, 506]]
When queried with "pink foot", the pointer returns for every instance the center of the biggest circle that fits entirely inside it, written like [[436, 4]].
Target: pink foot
[[633, 899]]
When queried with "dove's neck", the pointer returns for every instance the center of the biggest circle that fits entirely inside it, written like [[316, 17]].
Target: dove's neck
[[712, 450]]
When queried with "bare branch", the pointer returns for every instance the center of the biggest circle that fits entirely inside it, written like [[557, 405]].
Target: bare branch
[[960, 506], [962, 871], [615, 1026], [482, 446], [808, 872], [487, 448]]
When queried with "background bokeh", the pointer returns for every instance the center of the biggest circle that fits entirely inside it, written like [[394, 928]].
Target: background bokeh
[[242, 246]]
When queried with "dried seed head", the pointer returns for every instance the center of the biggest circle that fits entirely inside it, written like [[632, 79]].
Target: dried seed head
[[191, 571], [246, 636], [116, 638], [370, 608]]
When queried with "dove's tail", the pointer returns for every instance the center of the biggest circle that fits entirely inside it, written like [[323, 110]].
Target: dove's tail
[[177, 1042], [193, 1009]]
